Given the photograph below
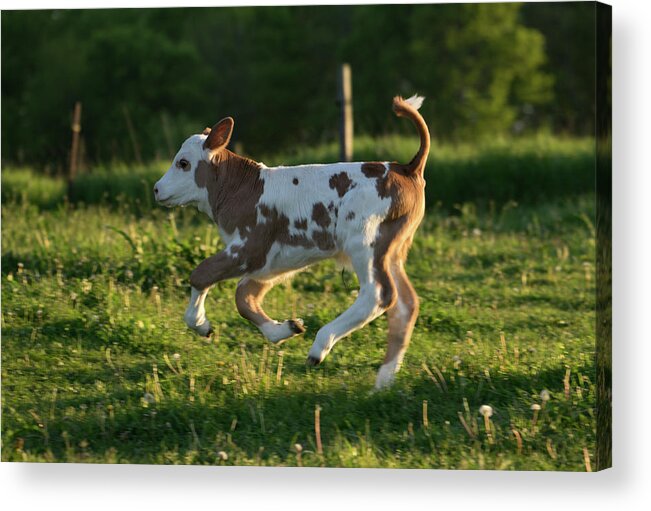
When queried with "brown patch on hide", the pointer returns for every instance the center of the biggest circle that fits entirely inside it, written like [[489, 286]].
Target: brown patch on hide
[[234, 190], [260, 238], [383, 251], [320, 215], [323, 239], [221, 266], [301, 224], [248, 299], [350, 215], [341, 182], [276, 228], [374, 170], [401, 317], [406, 190]]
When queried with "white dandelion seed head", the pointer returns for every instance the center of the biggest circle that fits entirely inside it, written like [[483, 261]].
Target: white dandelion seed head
[[298, 448], [535, 407], [544, 395], [486, 410], [149, 398], [176, 356], [222, 455]]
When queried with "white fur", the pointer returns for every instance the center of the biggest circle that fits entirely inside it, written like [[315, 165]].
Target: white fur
[[387, 373], [178, 187], [195, 314], [275, 331], [233, 241], [416, 101]]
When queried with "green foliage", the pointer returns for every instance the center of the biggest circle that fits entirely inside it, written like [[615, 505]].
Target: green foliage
[[483, 66], [530, 170], [571, 58], [135, 72], [24, 186], [170, 72]]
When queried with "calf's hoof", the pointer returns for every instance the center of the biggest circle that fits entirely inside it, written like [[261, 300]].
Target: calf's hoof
[[296, 325], [204, 330], [278, 333], [313, 361]]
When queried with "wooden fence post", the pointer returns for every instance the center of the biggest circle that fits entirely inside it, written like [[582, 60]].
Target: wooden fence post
[[132, 134], [168, 136], [345, 100], [74, 149]]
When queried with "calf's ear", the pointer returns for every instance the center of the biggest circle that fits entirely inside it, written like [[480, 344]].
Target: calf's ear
[[219, 135]]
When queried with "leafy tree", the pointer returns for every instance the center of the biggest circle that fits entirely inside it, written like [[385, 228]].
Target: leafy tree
[[570, 48], [480, 67], [171, 72], [132, 76]]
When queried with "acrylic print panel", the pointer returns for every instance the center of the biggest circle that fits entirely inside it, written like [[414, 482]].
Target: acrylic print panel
[[134, 333]]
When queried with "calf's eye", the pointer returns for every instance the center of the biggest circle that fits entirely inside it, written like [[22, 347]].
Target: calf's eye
[[184, 164]]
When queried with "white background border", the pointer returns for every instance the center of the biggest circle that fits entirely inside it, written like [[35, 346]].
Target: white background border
[[111, 487]]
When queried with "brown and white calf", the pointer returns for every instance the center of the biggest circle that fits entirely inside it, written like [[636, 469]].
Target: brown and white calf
[[276, 221]]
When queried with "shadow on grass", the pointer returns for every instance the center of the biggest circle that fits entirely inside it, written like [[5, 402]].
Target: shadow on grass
[[263, 427]]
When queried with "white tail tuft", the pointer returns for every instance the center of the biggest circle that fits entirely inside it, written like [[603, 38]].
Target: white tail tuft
[[416, 101]]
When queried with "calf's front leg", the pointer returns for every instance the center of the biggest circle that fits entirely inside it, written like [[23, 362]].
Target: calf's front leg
[[195, 314], [221, 266]]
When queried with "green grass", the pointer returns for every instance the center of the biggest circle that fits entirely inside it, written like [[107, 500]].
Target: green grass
[[97, 365], [530, 170]]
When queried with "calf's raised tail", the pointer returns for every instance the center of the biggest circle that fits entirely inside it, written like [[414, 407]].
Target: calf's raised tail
[[409, 108]]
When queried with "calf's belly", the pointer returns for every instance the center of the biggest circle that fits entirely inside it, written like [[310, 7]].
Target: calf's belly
[[283, 258]]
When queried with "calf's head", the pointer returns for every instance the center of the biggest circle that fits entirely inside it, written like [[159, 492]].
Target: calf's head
[[178, 187]]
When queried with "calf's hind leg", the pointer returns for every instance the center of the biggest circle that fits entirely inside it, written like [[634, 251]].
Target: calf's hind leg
[[249, 296], [401, 318], [376, 294]]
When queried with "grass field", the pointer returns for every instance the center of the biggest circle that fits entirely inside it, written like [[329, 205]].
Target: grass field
[[98, 366]]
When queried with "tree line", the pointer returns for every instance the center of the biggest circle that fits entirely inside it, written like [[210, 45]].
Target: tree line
[[147, 78]]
